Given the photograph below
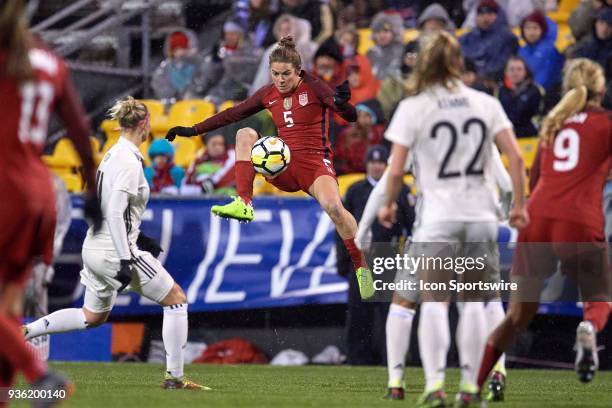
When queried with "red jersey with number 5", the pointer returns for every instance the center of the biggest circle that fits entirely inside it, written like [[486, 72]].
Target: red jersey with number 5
[[301, 116], [573, 170]]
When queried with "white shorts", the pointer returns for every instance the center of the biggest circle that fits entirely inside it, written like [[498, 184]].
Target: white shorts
[[476, 238], [100, 267]]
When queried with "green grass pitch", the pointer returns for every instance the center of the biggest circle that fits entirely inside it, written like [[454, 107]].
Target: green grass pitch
[[115, 385]]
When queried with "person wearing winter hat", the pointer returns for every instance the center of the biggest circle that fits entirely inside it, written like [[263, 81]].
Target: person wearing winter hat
[[539, 53], [489, 45], [163, 175], [179, 75], [599, 47], [386, 54], [328, 63], [435, 18]]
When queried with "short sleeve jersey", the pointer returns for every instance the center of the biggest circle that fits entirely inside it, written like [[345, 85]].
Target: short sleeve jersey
[[121, 170], [450, 135]]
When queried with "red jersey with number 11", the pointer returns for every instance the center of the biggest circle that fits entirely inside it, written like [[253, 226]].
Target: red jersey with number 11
[[570, 173]]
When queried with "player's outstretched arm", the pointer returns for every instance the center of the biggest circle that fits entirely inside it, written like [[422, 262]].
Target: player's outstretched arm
[[337, 100], [243, 110]]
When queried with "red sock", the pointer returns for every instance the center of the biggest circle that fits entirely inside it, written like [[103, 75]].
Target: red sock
[[245, 174], [17, 352], [597, 313], [355, 254], [489, 359]]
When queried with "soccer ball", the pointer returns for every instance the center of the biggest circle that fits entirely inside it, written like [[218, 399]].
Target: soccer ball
[[270, 156]]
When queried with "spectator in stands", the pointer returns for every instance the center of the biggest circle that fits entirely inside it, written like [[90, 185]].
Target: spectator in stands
[[212, 171], [317, 12], [392, 90], [454, 9], [355, 139], [583, 17], [362, 83], [539, 51], [521, 97], [285, 25], [599, 47], [163, 175], [386, 54], [470, 78], [179, 75], [230, 69], [365, 321], [328, 63], [490, 44], [511, 12], [406, 9], [260, 22], [435, 18]]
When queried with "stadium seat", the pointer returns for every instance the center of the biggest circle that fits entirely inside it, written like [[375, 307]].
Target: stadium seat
[[144, 149], [154, 106], [347, 180], [565, 38], [226, 105], [561, 15], [110, 128], [184, 113], [64, 155], [185, 151], [529, 147]]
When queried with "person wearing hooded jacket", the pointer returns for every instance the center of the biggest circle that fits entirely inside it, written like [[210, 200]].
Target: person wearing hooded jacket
[[599, 47], [179, 75], [386, 54], [163, 176], [539, 51]]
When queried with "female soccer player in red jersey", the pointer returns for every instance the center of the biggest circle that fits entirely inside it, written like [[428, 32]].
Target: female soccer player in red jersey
[[33, 83], [565, 208], [300, 105]]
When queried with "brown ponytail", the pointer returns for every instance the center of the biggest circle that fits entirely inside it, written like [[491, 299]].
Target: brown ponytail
[[15, 38], [285, 51]]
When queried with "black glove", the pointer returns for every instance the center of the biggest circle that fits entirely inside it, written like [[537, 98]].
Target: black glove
[[124, 275], [343, 93], [180, 131], [92, 211], [148, 244]]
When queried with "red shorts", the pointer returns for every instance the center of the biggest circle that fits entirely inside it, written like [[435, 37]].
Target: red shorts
[[27, 228], [577, 249], [304, 168]]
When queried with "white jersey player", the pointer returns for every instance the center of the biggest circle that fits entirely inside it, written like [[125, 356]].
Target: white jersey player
[[119, 255], [449, 130]]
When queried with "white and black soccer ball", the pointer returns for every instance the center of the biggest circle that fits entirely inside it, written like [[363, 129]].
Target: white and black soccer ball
[[270, 156]]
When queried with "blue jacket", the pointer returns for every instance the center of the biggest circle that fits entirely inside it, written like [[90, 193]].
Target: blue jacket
[[489, 49], [544, 61], [521, 105]]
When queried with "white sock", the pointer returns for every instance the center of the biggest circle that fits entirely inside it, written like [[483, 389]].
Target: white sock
[[398, 328], [434, 341], [174, 334], [494, 314], [57, 322], [471, 337]]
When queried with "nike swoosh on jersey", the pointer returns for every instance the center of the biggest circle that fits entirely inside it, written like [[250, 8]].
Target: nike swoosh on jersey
[[272, 102]]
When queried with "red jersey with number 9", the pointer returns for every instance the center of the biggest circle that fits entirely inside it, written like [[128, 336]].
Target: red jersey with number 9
[[573, 170]]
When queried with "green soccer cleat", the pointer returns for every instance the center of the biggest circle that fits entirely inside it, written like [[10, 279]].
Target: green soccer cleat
[[434, 398], [366, 283], [497, 386], [237, 210], [182, 383]]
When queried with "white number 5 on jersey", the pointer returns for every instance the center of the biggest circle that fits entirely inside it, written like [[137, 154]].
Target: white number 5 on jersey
[[566, 150]]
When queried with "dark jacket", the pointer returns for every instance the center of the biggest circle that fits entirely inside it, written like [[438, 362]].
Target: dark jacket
[[595, 49], [521, 106], [355, 201], [489, 49]]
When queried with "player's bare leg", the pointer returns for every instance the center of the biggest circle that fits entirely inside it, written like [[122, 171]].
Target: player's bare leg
[[241, 207], [174, 334], [517, 319], [325, 191], [398, 328]]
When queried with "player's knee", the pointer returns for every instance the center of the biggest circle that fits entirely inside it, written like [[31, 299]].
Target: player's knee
[[333, 208], [176, 296], [94, 319], [400, 301], [246, 136]]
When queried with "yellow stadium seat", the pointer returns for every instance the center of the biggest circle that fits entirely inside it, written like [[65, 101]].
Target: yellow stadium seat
[[72, 180], [144, 149], [561, 15], [154, 106], [565, 38], [111, 129], [347, 180], [64, 155], [184, 113], [185, 150], [529, 147], [226, 105]]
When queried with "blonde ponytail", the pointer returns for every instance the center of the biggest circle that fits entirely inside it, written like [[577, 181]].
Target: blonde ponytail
[[571, 103], [128, 112]]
